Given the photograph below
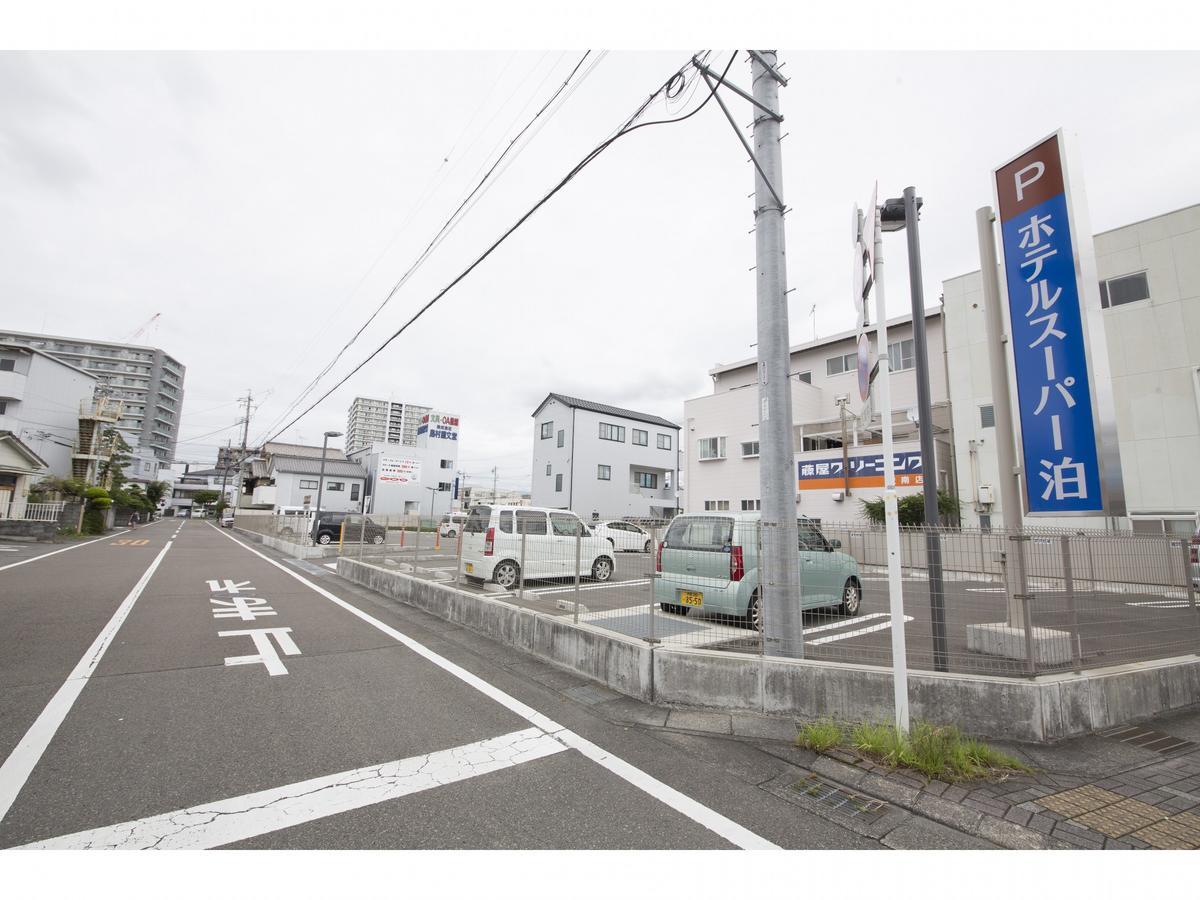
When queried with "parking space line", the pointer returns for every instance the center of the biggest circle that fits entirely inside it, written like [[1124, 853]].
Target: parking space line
[[590, 587], [709, 818], [240, 818], [26, 755], [857, 632]]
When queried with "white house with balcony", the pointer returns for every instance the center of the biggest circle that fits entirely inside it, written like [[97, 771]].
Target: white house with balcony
[[604, 461]]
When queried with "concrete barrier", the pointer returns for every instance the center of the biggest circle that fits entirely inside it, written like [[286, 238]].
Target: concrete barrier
[[1047, 708], [291, 548]]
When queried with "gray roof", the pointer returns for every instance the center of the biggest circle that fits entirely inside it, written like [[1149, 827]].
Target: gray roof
[[606, 410], [278, 448], [303, 465]]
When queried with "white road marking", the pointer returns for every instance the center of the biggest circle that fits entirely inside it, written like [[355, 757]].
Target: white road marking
[[998, 590], [54, 553], [239, 818], [9, 549], [20, 763], [331, 566], [726, 828], [858, 631], [266, 650], [590, 587], [1160, 604], [844, 622]]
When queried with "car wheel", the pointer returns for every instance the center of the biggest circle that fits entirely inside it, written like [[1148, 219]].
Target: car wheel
[[324, 537], [851, 598], [602, 569], [378, 539], [507, 574], [647, 547], [754, 613], [451, 533]]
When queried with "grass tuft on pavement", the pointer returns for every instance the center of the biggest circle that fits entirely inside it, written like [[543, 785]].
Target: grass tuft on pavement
[[936, 751]]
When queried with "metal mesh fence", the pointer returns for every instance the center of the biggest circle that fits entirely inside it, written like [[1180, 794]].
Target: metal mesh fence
[[1008, 604]]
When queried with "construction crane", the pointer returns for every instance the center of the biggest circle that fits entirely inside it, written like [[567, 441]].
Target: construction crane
[[145, 325]]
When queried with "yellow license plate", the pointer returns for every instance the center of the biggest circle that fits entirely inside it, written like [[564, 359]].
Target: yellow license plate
[[470, 567], [691, 598]]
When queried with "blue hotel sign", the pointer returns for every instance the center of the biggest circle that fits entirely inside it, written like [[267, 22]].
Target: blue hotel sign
[[1058, 420]]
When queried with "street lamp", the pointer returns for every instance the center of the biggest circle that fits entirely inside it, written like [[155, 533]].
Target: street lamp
[[321, 482]]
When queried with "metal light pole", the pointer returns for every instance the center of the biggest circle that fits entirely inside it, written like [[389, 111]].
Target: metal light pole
[[893, 220], [321, 483]]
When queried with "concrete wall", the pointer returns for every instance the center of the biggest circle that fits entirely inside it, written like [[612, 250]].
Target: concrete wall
[[1042, 709]]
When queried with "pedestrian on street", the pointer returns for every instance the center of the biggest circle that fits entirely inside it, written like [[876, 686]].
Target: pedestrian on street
[[133, 520]]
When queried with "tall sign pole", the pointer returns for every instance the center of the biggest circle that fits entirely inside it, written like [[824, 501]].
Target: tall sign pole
[[1066, 422], [783, 628]]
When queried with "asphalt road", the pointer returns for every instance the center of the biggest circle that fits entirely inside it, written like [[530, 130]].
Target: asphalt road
[[175, 687]]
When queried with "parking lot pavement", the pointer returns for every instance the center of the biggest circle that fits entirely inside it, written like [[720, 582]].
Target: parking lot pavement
[[232, 700]]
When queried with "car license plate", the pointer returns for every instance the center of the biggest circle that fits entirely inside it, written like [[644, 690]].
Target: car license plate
[[691, 598], [470, 568]]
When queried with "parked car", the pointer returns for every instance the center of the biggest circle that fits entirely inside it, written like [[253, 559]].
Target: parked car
[[452, 524], [358, 529], [227, 519], [709, 562], [624, 536], [492, 537]]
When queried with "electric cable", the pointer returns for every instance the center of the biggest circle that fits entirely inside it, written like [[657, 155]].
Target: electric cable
[[627, 128]]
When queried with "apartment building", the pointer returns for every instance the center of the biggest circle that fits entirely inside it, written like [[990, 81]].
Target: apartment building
[[838, 459], [603, 460], [416, 479], [147, 380], [1149, 275], [374, 421]]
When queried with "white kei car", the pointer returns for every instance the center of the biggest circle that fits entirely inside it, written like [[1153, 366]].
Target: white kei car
[[624, 536], [492, 538]]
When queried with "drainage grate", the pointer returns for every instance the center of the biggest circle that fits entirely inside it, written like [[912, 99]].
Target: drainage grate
[[840, 800], [1149, 739]]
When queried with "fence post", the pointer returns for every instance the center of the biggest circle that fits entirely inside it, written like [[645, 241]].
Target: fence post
[[1022, 597], [1185, 557], [1069, 587], [578, 555], [458, 537], [521, 573], [362, 537], [416, 546]]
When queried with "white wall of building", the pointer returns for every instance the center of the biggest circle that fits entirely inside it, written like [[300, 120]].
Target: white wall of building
[[437, 459], [42, 398], [567, 476], [300, 489], [1154, 353]]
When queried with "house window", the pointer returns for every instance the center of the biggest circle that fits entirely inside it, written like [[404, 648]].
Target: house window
[[558, 482], [612, 432], [1126, 289], [664, 442], [836, 365], [447, 464], [806, 377], [335, 486], [716, 505], [604, 473], [547, 430], [987, 416], [901, 356], [751, 505], [354, 491], [443, 486], [641, 438], [749, 449], [712, 448], [7, 365], [308, 485], [647, 480], [3, 407], [562, 437], [548, 470]]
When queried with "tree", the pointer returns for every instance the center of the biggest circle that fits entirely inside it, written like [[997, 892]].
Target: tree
[[204, 498], [155, 491], [98, 501], [112, 470], [911, 509]]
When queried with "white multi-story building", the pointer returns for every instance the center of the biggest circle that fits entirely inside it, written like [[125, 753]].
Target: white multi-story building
[[41, 399], [600, 460], [373, 421], [1150, 293], [413, 479], [721, 456]]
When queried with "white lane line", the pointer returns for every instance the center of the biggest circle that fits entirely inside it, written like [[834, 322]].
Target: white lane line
[[20, 763], [858, 631], [54, 552], [239, 818], [709, 818]]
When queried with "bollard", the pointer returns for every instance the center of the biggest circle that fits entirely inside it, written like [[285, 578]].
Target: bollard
[[341, 536], [521, 573], [1069, 587], [578, 554]]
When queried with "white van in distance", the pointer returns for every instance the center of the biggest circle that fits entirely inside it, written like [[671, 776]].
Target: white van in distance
[[492, 537]]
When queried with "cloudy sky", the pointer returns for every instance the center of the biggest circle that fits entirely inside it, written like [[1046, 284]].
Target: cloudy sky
[[266, 203]]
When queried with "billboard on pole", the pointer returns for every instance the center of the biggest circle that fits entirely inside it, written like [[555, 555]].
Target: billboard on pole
[[1060, 363]]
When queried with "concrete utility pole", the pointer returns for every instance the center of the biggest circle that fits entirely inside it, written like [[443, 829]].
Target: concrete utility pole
[[225, 471], [237, 497], [494, 485], [783, 628]]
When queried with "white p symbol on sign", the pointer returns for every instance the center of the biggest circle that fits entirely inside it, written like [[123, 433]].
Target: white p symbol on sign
[[1035, 170]]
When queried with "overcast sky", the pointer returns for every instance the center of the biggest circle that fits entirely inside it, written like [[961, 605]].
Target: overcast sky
[[265, 203]]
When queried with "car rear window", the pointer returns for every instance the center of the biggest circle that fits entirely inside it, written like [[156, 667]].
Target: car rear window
[[477, 521], [712, 533]]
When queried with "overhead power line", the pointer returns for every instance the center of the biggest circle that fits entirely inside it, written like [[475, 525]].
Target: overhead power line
[[627, 128]]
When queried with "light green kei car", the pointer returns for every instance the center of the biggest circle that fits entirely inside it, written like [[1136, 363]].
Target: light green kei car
[[709, 562]]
